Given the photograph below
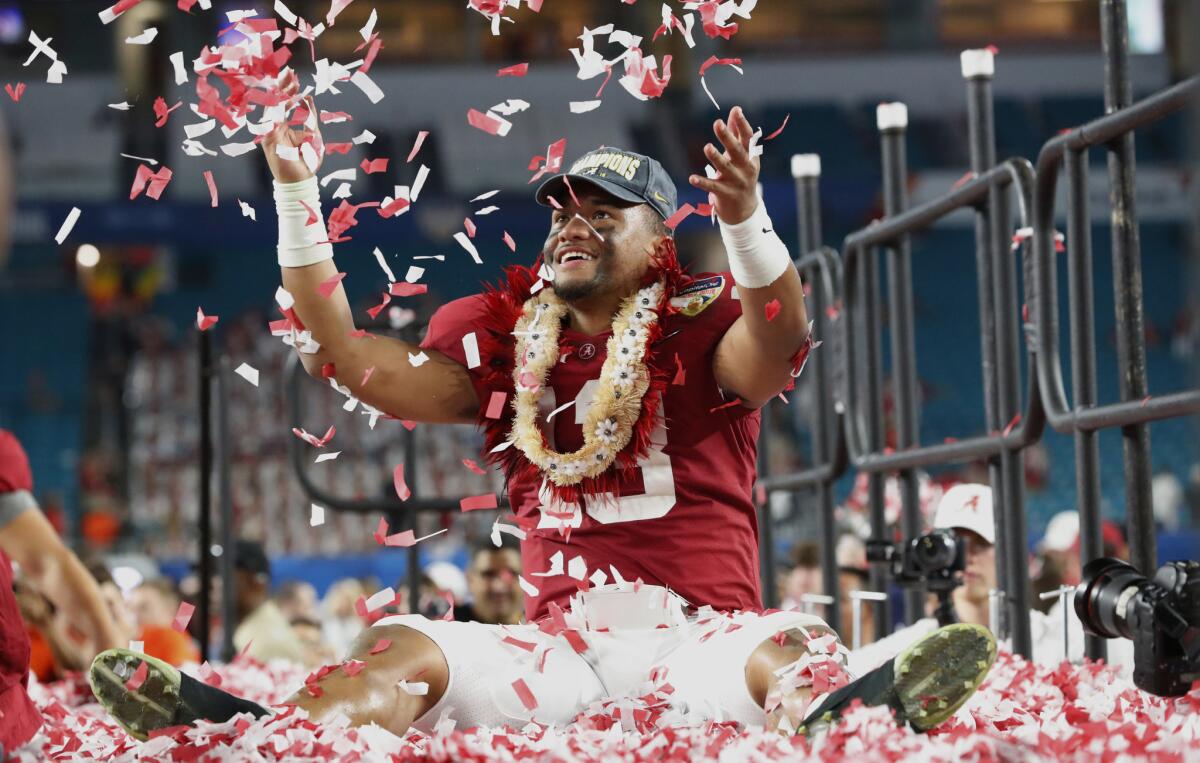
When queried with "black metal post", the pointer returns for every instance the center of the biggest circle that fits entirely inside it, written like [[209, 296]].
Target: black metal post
[[410, 516], [978, 68], [892, 121], [1083, 366], [806, 171], [873, 408], [1127, 284], [204, 510], [228, 562], [1008, 395]]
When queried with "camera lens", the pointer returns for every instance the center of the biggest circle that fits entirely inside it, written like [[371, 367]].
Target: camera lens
[[1103, 595], [935, 551]]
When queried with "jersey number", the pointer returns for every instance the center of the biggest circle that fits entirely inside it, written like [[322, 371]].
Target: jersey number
[[658, 479]]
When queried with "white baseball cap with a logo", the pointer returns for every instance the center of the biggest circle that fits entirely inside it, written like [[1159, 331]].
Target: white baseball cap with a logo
[[968, 506]]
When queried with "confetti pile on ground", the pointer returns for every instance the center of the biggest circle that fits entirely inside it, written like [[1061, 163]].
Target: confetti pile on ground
[[1022, 712]]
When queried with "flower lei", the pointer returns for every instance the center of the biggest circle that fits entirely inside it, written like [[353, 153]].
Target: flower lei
[[617, 405]]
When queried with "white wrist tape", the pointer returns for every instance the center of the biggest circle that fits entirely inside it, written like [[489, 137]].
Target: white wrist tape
[[757, 256], [300, 244]]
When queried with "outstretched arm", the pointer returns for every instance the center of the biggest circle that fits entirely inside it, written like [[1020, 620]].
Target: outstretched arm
[[438, 391], [755, 358]]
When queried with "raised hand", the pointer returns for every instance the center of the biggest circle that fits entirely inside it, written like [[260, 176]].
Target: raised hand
[[733, 193], [292, 170]]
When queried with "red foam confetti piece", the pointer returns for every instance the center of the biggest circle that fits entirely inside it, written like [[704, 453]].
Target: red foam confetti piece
[[328, 371], [528, 646], [205, 322], [407, 424], [374, 311], [326, 287], [421, 136], [1012, 424], [495, 405], [771, 309], [183, 616], [15, 93], [473, 466], [680, 372], [367, 376], [485, 122], [212, 186], [469, 225], [312, 214], [153, 183], [575, 640], [508, 241], [371, 166], [477, 502], [398, 483], [406, 289], [708, 20], [380, 646], [161, 112], [714, 61], [779, 129], [553, 160], [679, 215], [516, 70], [730, 404], [139, 677], [353, 667], [524, 694], [313, 440], [393, 208]]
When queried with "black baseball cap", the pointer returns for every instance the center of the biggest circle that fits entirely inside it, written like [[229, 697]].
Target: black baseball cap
[[629, 176]]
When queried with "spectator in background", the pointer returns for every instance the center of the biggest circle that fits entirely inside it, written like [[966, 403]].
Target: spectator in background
[[297, 599], [308, 633], [154, 604], [1058, 563], [443, 586], [804, 577], [496, 596], [854, 575], [263, 630], [27, 538], [340, 624]]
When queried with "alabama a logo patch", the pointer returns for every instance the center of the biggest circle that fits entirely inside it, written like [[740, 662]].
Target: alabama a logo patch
[[693, 298]]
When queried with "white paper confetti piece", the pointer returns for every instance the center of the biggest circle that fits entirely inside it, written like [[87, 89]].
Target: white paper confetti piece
[[146, 159], [284, 298], [414, 274], [582, 107], [598, 578], [530, 589], [577, 568], [145, 38], [137, 646], [419, 183], [416, 688], [486, 211], [391, 277], [247, 210], [65, 229], [369, 27], [122, 106], [238, 149], [510, 107], [327, 456], [367, 86], [556, 566], [57, 71], [465, 243], [484, 196], [199, 129], [109, 14], [438, 257], [417, 360], [471, 348], [348, 174], [285, 13], [317, 518], [176, 60], [381, 599], [366, 136], [247, 372]]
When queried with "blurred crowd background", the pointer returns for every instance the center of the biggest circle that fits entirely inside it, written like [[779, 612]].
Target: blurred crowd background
[[98, 343]]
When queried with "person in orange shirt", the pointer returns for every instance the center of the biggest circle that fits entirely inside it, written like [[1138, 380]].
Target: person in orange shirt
[[154, 604]]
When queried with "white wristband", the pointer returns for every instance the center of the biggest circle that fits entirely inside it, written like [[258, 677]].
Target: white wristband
[[301, 244], [757, 256]]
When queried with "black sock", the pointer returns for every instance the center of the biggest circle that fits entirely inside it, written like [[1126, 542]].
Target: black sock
[[211, 703]]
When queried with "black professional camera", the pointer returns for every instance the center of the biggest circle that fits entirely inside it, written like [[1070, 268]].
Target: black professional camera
[[932, 560], [1161, 617]]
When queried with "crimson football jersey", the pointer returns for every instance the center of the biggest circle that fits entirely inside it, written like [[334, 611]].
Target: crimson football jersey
[[683, 519]]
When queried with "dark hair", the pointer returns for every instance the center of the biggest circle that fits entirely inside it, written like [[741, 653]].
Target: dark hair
[[308, 621], [806, 554], [485, 546], [658, 226]]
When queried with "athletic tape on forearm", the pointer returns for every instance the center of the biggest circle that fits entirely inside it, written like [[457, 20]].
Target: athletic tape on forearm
[[757, 256], [300, 244]]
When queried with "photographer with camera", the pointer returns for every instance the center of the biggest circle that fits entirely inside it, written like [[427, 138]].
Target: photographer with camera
[[963, 579]]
